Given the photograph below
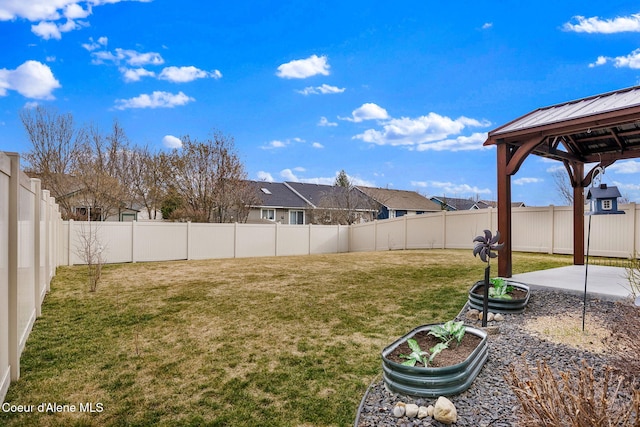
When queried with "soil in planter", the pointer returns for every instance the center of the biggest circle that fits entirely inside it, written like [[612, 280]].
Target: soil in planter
[[515, 294], [451, 356]]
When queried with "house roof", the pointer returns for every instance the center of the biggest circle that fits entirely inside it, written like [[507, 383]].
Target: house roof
[[400, 199], [457, 204], [330, 196], [277, 195], [599, 128]]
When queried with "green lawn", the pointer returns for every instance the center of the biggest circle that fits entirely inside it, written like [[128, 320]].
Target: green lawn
[[289, 341]]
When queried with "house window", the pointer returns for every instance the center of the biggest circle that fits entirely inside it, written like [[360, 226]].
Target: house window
[[296, 217], [400, 213], [269, 214], [606, 204], [84, 213]]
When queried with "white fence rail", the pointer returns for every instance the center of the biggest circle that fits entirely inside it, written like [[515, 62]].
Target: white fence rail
[[29, 230]]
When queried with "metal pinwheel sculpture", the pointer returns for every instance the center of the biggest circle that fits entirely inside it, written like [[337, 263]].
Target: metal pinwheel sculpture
[[485, 245]]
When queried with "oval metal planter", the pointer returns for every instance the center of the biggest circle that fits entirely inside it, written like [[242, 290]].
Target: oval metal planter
[[430, 381], [499, 305]]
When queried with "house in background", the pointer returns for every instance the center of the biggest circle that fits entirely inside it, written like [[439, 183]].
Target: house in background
[[277, 202], [398, 203], [458, 204], [331, 204]]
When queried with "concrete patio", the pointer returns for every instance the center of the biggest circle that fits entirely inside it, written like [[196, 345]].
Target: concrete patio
[[602, 281]]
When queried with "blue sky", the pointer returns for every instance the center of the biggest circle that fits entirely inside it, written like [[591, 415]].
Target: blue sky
[[398, 94]]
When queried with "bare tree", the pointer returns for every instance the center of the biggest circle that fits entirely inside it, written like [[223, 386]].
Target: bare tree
[[563, 186], [147, 175], [55, 143], [211, 180], [343, 203], [102, 171]]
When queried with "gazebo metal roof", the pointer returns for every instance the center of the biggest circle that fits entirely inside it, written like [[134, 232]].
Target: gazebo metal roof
[[598, 129], [602, 127]]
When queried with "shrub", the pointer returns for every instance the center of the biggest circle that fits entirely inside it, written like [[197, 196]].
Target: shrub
[[567, 399]]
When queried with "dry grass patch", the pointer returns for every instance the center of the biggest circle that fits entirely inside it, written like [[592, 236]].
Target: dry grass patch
[[244, 342], [566, 329]]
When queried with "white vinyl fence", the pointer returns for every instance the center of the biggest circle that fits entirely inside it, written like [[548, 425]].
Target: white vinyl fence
[[537, 229], [162, 241], [34, 241], [29, 229]]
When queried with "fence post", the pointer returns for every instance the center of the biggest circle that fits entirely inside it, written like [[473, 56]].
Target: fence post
[[443, 224], [235, 240], [404, 237], [631, 220], [14, 201], [69, 241], [188, 240], [36, 188], [309, 239], [47, 239], [552, 237], [133, 241]]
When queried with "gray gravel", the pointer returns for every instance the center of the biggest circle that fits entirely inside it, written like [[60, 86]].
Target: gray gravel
[[489, 401]]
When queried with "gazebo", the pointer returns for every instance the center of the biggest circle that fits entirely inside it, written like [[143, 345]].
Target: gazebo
[[596, 130]]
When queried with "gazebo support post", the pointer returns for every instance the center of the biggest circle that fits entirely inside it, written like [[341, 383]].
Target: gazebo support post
[[578, 214], [504, 210]]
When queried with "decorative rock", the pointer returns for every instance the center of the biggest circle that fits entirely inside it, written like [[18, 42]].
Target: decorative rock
[[430, 409], [490, 316], [411, 410], [444, 411], [499, 317], [473, 314], [399, 409], [423, 412]]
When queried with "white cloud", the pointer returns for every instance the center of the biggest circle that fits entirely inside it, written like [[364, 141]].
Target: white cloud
[[487, 25], [527, 180], [317, 145], [265, 176], [453, 189], [325, 122], [127, 56], [367, 111], [626, 167], [604, 26], [171, 141], [303, 68], [93, 45], [460, 143], [156, 100], [135, 74], [292, 176], [186, 74], [276, 143], [53, 17], [630, 61], [430, 132], [47, 30], [32, 79], [325, 89]]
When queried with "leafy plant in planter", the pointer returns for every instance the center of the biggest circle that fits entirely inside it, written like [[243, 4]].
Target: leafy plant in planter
[[484, 247], [445, 333], [500, 289]]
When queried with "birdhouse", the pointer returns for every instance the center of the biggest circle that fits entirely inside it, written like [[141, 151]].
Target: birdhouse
[[604, 200]]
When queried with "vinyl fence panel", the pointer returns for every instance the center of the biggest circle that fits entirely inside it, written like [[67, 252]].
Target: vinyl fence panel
[[5, 171]]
